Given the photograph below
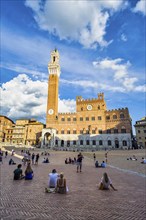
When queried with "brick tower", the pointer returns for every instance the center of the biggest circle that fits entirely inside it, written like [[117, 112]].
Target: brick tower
[[53, 86]]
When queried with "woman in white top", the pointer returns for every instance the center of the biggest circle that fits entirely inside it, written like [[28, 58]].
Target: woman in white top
[[105, 183]]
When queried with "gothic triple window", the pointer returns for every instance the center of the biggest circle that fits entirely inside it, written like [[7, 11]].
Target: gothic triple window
[[107, 117], [122, 116], [74, 131], [114, 116]]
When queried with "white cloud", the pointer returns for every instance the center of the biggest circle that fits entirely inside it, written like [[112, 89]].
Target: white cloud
[[82, 21], [140, 7], [123, 37], [120, 74], [23, 97], [23, 69]]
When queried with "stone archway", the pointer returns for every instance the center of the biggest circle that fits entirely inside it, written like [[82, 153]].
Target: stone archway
[[48, 137]]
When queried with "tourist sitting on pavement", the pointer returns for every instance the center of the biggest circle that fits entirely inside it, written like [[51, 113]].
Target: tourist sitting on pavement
[[18, 173], [69, 160], [105, 183], [103, 164], [66, 161], [61, 184], [96, 164], [28, 172], [143, 160], [52, 181], [46, 160], [11, 162], [132, 158]]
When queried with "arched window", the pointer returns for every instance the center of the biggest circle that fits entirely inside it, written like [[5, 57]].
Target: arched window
[[114, 116], [93, 142], [98, 107], [68, 131], [107, 117], [68, 143], [116, 144], [62, 143], [87, 142], [56, 142], [100, 142], [123, 130], [62, 131], [124, 143], [122, 115], [109, 143], [81, 142], [74, 142]]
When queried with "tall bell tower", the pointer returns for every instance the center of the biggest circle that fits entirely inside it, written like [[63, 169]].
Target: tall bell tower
[[53, 86]]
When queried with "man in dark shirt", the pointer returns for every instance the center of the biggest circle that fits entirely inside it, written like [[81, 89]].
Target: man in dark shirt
[[18, 173], [79, 162]]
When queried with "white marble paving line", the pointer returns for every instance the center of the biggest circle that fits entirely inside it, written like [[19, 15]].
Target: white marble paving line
[[128, 171], [123, 170]]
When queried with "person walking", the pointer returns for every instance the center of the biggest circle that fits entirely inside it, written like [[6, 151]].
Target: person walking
[[94, 157], [37, 159]]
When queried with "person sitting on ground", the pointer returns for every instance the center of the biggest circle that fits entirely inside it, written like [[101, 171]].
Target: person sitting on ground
[[18, 173], [44, 160], [96, 164], [53, 178], [28, 172], [11, 162], [47, 160], [61, 184], [105, 183], [52, 181], [69, 160], [103, 164], [143, 160], [66, 161]]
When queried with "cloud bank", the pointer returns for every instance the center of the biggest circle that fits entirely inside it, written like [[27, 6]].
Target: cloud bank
[[71, 20]]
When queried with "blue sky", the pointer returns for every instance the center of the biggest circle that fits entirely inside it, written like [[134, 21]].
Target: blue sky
[[101, 46]]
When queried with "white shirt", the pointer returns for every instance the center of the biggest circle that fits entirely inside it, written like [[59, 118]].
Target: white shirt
[[106, 184], [53, 179]]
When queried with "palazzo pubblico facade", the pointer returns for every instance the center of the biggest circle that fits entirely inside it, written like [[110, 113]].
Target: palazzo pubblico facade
[[92, 125]]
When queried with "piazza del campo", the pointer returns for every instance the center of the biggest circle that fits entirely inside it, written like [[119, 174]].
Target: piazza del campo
[[93, 130], [72, 116]]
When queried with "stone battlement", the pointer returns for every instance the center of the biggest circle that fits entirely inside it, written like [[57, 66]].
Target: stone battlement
[[79, 99], [119, 109]]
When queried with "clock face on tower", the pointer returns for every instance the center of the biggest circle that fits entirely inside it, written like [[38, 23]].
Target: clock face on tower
[[50, 111], [89, 107]]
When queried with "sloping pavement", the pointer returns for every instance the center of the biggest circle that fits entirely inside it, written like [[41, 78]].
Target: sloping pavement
[[27, 199]]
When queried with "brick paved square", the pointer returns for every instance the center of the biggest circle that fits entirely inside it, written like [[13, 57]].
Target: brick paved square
[[28, 200]]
